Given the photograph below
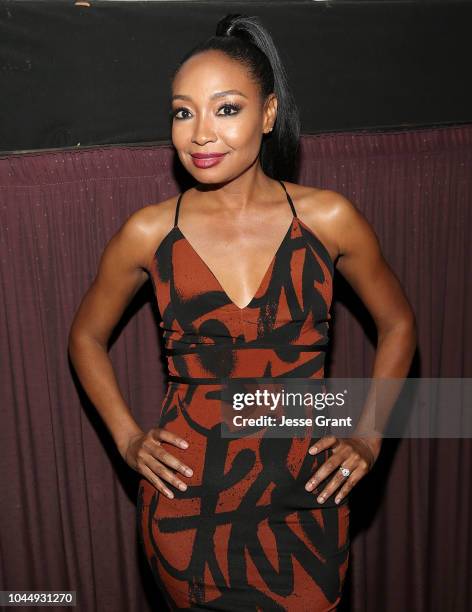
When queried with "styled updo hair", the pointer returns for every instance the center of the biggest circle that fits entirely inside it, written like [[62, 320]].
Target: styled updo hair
[[243, 38]]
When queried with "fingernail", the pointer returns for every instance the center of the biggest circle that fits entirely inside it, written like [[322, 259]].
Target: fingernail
[[337, 500], [189, 472], [313, 450], [184, 444], [320, 499], [182, 486], [308, 486], [170, 494]]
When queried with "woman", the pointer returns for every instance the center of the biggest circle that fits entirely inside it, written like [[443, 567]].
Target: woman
[[242, 268]]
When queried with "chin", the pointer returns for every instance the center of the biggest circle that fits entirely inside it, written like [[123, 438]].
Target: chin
[[208, 176]]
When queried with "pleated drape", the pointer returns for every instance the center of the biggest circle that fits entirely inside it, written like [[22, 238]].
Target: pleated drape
[[67, 515]]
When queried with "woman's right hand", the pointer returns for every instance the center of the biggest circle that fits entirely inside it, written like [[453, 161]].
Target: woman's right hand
[[145, 454]]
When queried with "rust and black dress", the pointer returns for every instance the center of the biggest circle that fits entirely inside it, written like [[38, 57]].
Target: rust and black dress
[[245, 535]]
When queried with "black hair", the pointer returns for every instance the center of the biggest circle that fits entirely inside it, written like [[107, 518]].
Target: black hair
[[245, 39]]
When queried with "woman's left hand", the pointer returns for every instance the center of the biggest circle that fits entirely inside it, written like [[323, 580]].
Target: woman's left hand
[[356, 454]]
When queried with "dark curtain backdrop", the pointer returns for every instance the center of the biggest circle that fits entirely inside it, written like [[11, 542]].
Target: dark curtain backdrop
[[67, 516]]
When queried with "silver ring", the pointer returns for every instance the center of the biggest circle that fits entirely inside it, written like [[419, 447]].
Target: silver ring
[[345, 471]]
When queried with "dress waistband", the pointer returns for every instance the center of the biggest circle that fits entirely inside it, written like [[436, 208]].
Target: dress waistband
[[184, 350]]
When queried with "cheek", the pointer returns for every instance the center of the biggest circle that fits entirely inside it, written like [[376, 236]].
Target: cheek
[[241, 136], [180, 135]]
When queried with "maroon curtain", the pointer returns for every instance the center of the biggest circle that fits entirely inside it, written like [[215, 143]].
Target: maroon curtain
[[67, 516]]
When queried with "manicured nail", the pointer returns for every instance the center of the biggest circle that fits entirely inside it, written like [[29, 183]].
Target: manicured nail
[[312, 484], [320, 499], [337, 500], [184, 444], [313, 450]]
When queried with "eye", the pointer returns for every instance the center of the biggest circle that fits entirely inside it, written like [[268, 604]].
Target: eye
[[175, 112], [235, 107]]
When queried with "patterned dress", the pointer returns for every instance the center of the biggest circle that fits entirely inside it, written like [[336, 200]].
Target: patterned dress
[[245, 535]]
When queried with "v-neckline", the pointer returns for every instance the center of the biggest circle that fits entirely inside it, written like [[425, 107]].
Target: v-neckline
[[264, 278]]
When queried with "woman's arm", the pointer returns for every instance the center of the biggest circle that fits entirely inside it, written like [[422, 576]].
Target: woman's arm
[[121, 273], [362, 264]]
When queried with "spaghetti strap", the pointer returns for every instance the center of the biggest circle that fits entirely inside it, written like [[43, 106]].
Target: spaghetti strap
[[177, 210], [292, 206]]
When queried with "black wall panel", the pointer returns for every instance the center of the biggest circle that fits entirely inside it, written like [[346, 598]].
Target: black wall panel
[[76, 76]]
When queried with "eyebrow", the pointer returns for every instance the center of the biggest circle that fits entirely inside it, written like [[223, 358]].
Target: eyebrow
[[218, 94]]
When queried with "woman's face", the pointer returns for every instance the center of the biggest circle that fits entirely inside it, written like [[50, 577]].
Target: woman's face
[[208, 119]]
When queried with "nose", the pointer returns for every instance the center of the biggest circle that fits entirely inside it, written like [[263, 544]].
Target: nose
[[203, 130]]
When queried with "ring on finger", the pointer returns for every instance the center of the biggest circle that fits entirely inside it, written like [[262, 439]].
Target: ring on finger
[[345, 471]]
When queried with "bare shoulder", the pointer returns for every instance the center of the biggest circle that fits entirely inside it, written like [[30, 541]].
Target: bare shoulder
[[147, 226], [349, 227], [341, 226], [327, 213]]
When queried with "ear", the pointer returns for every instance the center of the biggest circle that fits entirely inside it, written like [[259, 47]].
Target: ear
[[270, 113]]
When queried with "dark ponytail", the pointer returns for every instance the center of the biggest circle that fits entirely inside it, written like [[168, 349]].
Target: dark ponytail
[[244, 39]]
